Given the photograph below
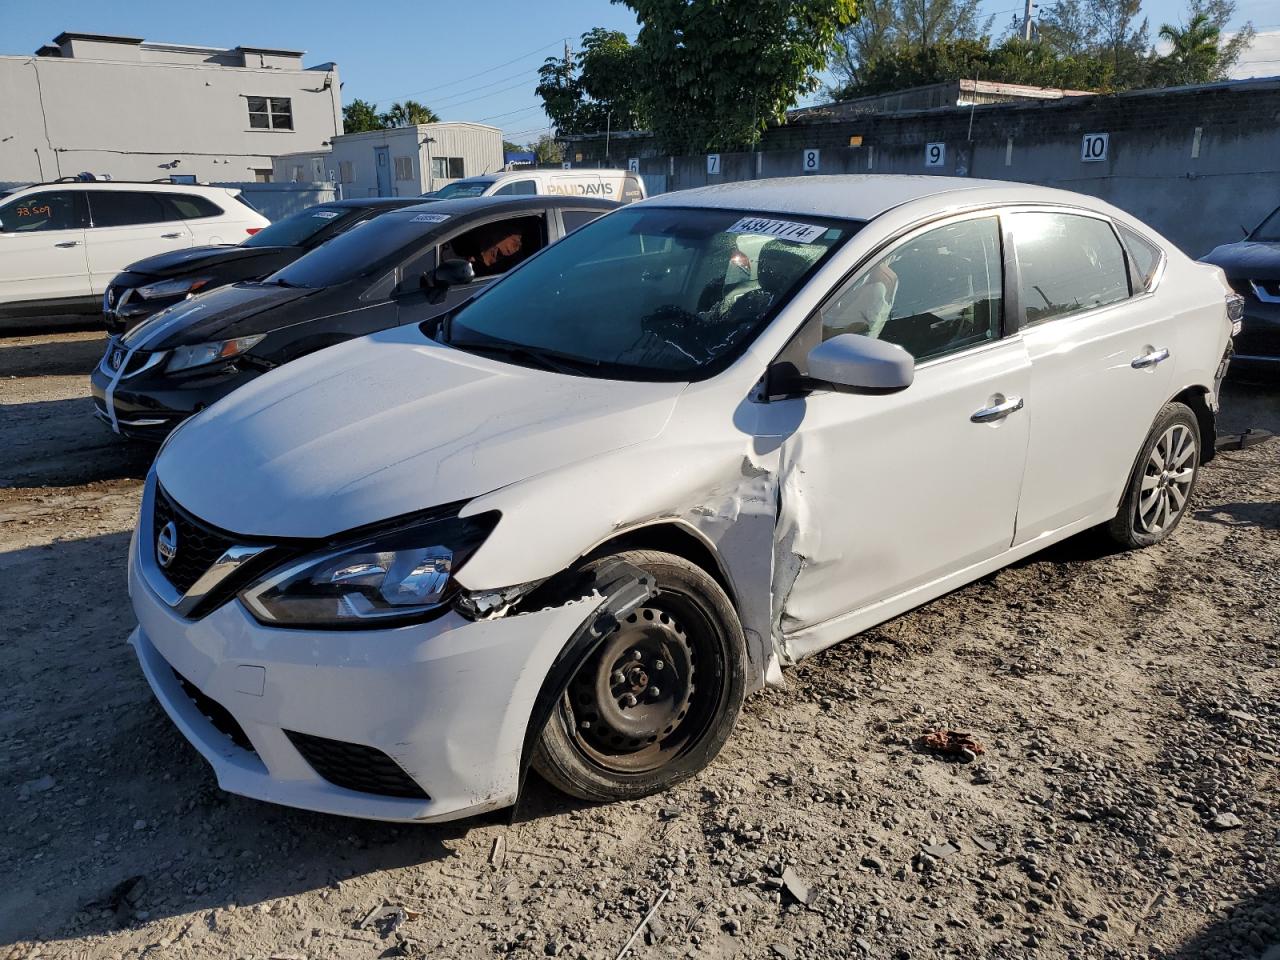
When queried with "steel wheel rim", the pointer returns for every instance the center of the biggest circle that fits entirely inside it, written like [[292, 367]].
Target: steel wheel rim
[[1166, 480], [680, 654]]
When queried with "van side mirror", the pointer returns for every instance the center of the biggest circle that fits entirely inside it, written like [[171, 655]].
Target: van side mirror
[[453, 273], [852, 363]]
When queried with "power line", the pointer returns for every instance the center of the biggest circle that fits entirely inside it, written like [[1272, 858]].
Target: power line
[[463, 93], [451, 83]]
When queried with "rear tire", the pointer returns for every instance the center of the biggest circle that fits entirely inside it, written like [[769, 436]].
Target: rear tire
[[1162, 481], [659, 697]]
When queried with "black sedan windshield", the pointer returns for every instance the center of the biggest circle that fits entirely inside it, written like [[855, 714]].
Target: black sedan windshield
[[363, 248], [1269, 230], [654, 293], [297, 228]]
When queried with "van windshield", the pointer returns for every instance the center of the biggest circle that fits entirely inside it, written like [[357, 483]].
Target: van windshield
[[461, 188], [657, 293]]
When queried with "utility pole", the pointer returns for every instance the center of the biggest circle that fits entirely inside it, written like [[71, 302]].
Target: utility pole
[[1026, 21]]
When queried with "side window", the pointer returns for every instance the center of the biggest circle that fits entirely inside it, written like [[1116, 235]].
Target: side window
[[51, 210], [1145, 256], [573, 219], [1068, 264], [518, 188], [935, 294], [123, 208], [188, 206], [495, 248]]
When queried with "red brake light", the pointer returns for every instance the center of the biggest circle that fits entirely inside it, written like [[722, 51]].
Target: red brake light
[[252, 230]]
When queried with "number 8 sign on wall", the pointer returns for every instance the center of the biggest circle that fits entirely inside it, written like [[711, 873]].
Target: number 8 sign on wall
[[810, 161]]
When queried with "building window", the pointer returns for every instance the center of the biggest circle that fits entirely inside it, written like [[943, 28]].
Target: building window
[[404, 168], [344, 171], [262, 176], [270, 113], [298, 175], [447, 168]]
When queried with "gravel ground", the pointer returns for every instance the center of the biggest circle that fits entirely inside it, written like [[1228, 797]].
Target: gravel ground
[[1125, 806]]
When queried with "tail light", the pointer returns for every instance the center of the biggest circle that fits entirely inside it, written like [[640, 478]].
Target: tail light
[[252, 230], [1235, 312]]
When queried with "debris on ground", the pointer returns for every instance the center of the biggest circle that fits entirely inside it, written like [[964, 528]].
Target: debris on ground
[[643, 923], [951, 743], [1226, 821], [797, 886], [941, 850]]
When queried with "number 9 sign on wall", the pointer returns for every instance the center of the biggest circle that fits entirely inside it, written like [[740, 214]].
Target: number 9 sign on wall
[[935, 154], [1093, 147], [810, 162]]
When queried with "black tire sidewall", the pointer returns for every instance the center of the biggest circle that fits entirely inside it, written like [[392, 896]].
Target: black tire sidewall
[[559, 761], [1124, 528]]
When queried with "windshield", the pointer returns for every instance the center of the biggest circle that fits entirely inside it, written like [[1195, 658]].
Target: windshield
[[1269, 230], [653, 293], [298, 228], [364, 248], [461, 188]]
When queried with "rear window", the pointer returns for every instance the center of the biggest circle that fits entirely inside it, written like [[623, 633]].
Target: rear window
[[189, 206], [1067, 263], [1144, 254], [462, 188], [362, 249], [296, 229]]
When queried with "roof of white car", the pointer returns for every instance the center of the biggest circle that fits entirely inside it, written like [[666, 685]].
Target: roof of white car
[[849, 196]]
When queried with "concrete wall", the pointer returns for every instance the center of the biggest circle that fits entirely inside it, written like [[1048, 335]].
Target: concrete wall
[[479, 146], [128, 119], [1196, 163]]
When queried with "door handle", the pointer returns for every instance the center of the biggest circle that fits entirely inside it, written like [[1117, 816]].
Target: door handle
[[1150, 359], [997, 411], [170, 236], [68, 243]]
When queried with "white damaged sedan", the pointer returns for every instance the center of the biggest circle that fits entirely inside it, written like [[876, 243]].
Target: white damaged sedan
[[712, 433]]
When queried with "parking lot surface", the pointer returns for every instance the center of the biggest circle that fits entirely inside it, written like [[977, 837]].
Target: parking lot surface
[[1126, 804]]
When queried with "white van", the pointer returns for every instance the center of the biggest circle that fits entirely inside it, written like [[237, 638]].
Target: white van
[[619, 185]]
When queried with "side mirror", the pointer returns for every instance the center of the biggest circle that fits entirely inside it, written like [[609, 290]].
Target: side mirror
[[453, 273], [852, 363]]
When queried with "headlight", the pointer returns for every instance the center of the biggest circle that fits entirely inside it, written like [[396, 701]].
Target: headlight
[[215, 352], [393, 577], [172, 288]]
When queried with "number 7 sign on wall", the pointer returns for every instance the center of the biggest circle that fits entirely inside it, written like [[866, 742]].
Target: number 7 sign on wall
[[713, 163]]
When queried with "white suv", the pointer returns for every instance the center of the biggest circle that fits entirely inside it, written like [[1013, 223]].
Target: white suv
[[62, 243]]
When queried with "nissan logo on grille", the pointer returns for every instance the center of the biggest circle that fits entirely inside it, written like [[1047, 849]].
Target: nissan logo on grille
[[167, 545]]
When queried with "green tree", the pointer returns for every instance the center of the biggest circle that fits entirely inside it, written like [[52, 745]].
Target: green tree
[[359, 116], [596, 88], [547, 150], [509, 147], [408, 113], [1193, 57], [716, 72]]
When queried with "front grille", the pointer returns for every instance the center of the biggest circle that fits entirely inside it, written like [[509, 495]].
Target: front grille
[[1267, 288], [356, 767], [198, 546], [215, 713], [117, 356]]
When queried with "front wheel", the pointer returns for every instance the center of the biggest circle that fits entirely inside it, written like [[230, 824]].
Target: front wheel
[[1162, 480], [658, 698]]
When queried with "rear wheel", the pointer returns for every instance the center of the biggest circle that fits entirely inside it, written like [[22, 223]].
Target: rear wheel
[[1162, 480], [656, 701]]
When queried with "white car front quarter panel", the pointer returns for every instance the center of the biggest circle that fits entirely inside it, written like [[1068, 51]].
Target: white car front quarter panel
[[448, 700]]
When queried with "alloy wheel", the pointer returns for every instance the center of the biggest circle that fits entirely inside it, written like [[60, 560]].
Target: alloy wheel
[[1166, 480]]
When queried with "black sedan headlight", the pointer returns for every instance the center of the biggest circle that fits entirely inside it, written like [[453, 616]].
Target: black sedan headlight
[[388, 578]]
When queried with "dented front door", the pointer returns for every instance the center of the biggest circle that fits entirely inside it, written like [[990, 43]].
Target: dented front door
[[883, 494]]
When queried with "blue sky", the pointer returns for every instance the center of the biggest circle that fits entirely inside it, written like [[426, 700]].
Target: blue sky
[[468, 61]]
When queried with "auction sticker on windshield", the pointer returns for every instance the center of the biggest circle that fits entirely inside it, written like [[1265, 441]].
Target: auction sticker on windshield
[[430, 218], [325, 214], [782, 229]]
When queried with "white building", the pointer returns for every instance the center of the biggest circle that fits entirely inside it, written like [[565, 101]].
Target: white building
[[136, 110], [400, 162]]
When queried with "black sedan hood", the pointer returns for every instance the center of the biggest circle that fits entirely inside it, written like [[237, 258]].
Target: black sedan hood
[[238, 310], [1247, 260], [179, 262]]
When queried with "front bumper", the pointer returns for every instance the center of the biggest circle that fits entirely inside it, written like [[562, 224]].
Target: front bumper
[[1257, 345], [448, 701], [149, 404], [123, 309]]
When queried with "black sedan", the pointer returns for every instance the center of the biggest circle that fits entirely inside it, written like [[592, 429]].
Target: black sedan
[[1252, 267], [150, 285], [405, 266]]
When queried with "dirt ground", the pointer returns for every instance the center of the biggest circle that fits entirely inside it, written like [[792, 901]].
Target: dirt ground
[[1126, 804]]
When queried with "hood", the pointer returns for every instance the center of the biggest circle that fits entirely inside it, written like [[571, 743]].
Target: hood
[[222, 313], [1247, 260], [177, 262], [390, 424]]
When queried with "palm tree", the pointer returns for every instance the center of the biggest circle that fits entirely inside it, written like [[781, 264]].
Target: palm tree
[[1194, 55], [409, 113]]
